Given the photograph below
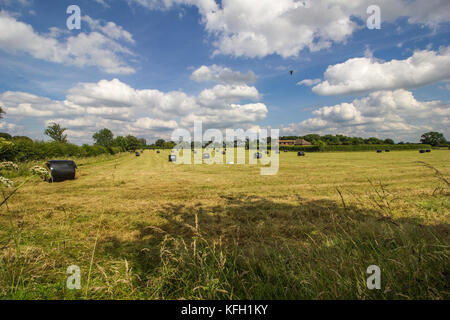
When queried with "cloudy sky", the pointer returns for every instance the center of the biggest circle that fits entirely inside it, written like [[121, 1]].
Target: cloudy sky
[[147, 67]]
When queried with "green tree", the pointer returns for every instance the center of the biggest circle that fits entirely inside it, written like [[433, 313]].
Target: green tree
[[120, 142], [132, 143], [312, 137], [373, 140], [389, 141], [160, 143], [55, 132], [142, 143], [104, 138], [320, 144], [5, 135], [433, 138]]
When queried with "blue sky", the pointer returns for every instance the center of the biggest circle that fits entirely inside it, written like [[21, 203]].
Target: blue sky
[[147, 67]]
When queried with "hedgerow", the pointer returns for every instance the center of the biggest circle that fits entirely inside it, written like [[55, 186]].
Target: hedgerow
[[26, 150], [361, 147]]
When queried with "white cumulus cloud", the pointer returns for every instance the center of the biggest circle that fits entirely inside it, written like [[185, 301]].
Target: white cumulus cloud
[[92, 49], [358, 75], [258, 28], [395, 114], [219, 74]]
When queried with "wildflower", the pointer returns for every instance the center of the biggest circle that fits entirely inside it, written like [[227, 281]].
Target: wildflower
[[6, 182], [8, 165], [41, 172]]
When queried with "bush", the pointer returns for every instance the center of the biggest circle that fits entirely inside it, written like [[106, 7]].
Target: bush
[[22, 150], [115, 150]]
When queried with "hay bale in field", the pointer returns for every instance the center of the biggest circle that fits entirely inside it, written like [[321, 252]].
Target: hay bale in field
[[387, 150], [422, 151], [206, 156], [61, 170], [300, 154], [157, 151], [257, 155], [428, 150], [172, 158], [137, 154], [223, 152], [379, 151]]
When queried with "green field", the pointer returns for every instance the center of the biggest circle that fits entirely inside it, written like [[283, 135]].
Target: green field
[[144, 228]]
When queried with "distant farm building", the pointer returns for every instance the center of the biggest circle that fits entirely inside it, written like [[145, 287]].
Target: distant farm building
[[298, 142]]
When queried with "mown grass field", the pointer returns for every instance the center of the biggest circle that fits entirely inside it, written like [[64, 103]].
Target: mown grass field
[[144, 228]]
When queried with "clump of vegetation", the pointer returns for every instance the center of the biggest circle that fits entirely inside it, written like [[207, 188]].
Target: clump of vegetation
[[8, 165], [41, 172], [6, 182]]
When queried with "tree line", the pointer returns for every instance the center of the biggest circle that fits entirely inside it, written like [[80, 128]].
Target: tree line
[[431, 138]]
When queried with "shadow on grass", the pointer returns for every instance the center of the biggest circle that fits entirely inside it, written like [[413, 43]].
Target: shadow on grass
[[256, 248]]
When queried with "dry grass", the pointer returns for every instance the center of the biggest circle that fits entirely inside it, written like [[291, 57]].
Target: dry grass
[[144, 228]]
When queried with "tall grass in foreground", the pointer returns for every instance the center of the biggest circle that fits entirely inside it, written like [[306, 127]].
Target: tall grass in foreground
[[414, 264]]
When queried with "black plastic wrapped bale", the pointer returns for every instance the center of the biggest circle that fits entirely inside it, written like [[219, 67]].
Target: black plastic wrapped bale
[[172, 158], [206, 156], [387, 150], [379, 151], [257, 155], [223, 152], [300, 154], [157, 151], [428, 150], [137, 154], [61, 170], [422, 151]]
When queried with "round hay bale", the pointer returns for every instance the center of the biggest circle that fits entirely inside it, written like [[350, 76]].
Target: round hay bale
[[422, 151], [387, 150], [172, 158], [379, 151], [157, 151], [428, 150], [300, 154], [61, 170], [137, 154]]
